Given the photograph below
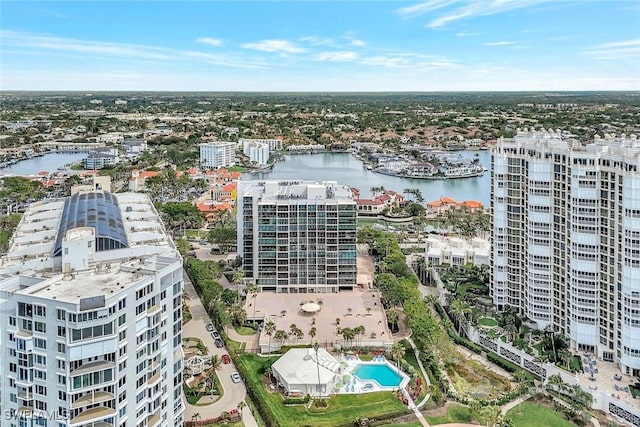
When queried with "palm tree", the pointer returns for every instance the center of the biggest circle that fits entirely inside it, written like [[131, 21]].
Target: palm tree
[[459, 309], [253, 290], [238, 315], [269, 329], [348, 334], [392, 317], [216, 363], [557, 383], [312, 333], [196, 416], [238, 276], [316, 347], [397, 351], [280, 335], [293, 329], [377, 190], [241, 406]]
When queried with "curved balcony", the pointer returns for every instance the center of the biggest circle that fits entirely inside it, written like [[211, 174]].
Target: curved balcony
[[92, 367], [153, 420], [92, 415], [92, 398]]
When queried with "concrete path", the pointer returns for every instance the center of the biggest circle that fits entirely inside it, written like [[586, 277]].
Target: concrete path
[[234, 393], [251, 341], [424, 373]]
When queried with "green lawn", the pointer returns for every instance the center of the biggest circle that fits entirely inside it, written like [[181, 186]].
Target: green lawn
[[341, 408], [237, 169], [487, 321], [635, 390], [532, 415], [575, 364], [244, 330], [455, 414]]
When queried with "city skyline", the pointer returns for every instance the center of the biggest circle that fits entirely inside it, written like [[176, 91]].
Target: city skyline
[[435, 45]]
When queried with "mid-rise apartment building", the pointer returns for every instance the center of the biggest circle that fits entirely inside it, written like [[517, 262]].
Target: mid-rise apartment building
[[275, 144], [297, 236], [217, 154], [90, 314], [257, 152], [566, 238]]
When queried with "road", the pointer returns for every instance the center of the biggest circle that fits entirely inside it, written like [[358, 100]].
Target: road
[[234, 393]]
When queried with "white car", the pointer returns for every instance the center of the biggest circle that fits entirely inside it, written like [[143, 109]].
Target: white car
[[235, 377]]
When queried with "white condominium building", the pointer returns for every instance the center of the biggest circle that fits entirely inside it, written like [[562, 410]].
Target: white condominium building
[[258, 152], [91, 316], [275, 144], [566, 239], [217, 154], [297, 236]]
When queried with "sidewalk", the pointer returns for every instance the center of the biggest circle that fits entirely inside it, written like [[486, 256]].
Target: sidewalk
[[234, 393]]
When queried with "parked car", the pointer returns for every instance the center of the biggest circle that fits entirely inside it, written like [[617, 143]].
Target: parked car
[[210, 328], [219, 343], [235, 377], [226, 359], [215, 335]]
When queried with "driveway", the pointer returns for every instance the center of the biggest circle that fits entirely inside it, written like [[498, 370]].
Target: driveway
[[233, 393]]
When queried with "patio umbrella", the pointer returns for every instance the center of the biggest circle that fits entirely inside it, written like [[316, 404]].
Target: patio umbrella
[[310, 307]]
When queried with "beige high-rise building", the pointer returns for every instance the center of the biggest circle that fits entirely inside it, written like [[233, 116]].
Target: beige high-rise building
[[297, 236]]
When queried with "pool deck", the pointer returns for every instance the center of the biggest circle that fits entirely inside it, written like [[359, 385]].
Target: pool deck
[[356, 386]]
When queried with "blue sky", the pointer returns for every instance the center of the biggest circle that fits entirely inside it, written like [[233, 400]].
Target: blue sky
[[433, 45]]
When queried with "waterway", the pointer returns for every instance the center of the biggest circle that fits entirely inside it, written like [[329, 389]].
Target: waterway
[[348, 170], [50, 162]]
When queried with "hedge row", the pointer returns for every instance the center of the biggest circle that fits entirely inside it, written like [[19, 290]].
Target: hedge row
[[252, 390]]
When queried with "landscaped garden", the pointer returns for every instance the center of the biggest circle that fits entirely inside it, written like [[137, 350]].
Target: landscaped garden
[[338, 410], [488, 322], [635, 390], [453, 414], [473, 379], [534, 415]]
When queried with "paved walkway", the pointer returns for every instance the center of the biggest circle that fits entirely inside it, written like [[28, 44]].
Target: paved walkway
[[251, 341], [234, 393]]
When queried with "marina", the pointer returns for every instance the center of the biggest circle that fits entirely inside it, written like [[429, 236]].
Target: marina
[[348, 170]]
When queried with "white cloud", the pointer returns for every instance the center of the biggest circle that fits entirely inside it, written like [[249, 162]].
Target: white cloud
[[455, 10], [37, 43], [274, 46], [500, 43], [626, 49], [210, 41], [425, 7], [351, 38], [319, 41], [466, 34], [48, 42], [408, 60], [341, 56]]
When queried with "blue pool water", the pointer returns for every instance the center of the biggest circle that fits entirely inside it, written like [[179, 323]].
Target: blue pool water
[[382, 374]]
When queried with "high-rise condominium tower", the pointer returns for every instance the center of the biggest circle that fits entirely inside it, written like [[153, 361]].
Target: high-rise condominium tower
[[297, 236], [90, 316], [566, 238]]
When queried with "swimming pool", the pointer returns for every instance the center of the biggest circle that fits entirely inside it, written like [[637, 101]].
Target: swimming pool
[[383, 374]]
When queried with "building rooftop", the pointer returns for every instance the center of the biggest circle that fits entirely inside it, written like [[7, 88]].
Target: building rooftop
[[35, 248], [298, 191], [623, 146]]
